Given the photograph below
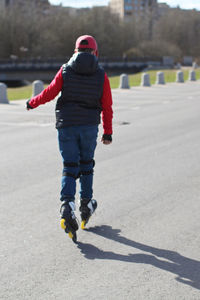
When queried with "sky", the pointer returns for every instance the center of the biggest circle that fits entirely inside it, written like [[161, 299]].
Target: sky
[[186, 4]]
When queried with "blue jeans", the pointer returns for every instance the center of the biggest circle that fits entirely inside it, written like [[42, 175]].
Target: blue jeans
[[77, 146]]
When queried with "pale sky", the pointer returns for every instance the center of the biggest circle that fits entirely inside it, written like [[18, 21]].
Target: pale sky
[[187, 4]]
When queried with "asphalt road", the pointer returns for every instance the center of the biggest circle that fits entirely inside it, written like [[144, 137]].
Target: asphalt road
[[143, 242]]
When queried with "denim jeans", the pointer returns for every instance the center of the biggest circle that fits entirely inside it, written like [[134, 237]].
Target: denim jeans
[[77, 146]]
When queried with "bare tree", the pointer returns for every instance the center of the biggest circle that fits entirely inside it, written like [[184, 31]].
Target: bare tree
[[30, 31]]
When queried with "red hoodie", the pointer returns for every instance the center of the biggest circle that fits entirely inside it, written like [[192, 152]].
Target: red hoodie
[[56, 86]]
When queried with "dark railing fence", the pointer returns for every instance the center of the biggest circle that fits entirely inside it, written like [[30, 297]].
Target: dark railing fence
[[17, 70]]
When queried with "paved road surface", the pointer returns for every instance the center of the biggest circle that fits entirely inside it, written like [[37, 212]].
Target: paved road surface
[[143, 242]]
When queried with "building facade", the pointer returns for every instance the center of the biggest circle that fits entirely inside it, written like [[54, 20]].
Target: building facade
[[4, 3], [129, 8], [7, 3]]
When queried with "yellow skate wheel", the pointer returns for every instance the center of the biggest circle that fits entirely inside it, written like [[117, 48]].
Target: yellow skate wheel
[[62, 224], [70, 235], [83, 224]]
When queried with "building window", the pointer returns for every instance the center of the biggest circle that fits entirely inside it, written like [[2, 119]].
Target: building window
[[128, 13], [128, 1], [128, 7]]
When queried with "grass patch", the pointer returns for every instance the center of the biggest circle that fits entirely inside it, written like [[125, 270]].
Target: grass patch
[[134, 80], [114, 82], [19, 93]]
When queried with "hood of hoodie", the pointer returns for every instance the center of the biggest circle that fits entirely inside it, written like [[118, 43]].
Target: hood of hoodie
[[83, 63]]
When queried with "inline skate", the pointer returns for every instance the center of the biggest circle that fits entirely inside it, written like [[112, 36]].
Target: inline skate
[[87, 208], [68, 220]]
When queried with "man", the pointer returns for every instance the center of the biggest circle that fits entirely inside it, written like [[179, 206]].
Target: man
[[85, 94]]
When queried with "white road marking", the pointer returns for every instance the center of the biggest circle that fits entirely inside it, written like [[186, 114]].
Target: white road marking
[[25, 124], [136, 107], [27, 112], [126, 107]]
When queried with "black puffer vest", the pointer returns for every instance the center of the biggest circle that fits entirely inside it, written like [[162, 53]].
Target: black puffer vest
[[79, 103]]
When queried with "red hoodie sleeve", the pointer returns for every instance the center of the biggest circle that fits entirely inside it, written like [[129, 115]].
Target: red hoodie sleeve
[[106, 102], [50, 92]]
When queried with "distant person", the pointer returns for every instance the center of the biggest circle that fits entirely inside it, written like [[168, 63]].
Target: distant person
[[85, 93]]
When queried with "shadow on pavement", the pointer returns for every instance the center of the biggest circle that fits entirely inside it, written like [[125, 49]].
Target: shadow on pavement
[[188, 270]]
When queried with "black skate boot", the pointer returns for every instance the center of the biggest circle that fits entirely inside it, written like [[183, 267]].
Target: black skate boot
[[87, 208], [68, 219]]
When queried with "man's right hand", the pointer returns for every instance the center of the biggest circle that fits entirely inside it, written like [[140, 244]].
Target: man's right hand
[[106, 139]]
